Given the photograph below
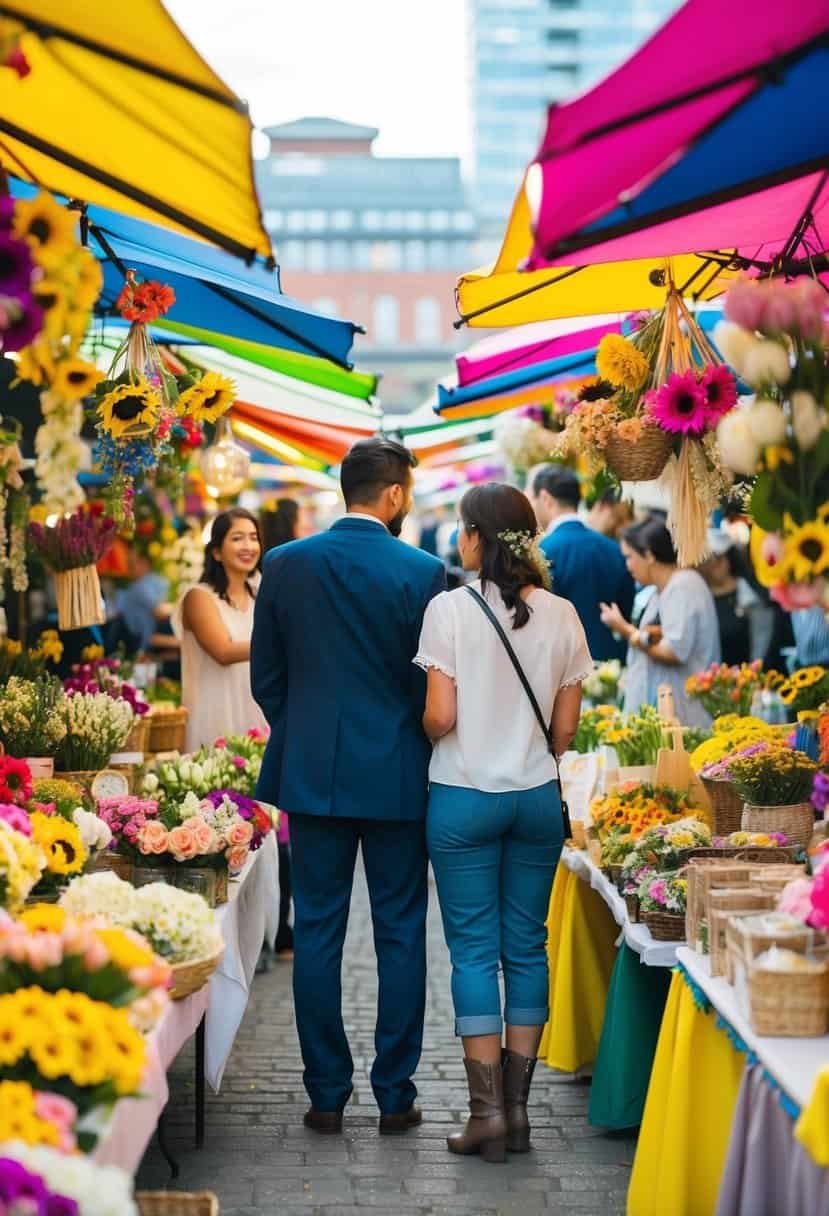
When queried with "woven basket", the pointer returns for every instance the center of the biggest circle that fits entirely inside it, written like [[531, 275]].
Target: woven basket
[[797, 821], [138, 740], [190, 977], [642, 460], [168, 730], [725, 904], [756, 855], [794, 1004], [744, 942], [703, 875], [665, 926], [726, 804], [632, 905], [177, 1203], [107, 860], [83, 778]]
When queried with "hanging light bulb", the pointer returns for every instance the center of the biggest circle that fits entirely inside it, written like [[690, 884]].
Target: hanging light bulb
[[225, 465]]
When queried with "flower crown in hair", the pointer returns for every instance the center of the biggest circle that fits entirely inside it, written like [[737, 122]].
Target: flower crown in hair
[[518, 543]]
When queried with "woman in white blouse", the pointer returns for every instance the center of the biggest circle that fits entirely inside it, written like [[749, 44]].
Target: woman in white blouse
[[494, 825]]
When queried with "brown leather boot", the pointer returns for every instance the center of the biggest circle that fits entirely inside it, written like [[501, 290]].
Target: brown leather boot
[[518, 1075], [486, 1128]]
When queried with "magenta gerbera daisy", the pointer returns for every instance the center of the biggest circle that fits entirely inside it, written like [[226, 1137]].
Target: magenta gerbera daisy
[[720, 391], [680, 405]]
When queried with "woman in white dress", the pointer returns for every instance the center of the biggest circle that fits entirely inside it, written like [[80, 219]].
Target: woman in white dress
[[214, 621], [494, 826]]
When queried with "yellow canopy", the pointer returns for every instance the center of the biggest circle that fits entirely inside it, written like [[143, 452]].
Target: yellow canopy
[[502, 295], [119, 109]]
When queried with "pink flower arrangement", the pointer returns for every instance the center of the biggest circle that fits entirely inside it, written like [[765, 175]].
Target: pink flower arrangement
[[126, 817], [774, 307], [819, 916], [16, 818], [680, 406]]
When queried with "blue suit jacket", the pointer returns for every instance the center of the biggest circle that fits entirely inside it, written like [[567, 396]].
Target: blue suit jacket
[[588, 568], [337, 624]]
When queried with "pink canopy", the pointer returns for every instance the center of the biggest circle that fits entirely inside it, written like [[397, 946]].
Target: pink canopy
[[707, 59], [528, 344]]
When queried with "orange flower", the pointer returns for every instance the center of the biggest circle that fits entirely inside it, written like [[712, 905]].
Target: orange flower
[[145, 302]]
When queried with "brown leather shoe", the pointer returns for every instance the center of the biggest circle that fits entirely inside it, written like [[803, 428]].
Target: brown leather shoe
[[327, 1123], [398, 1125], [518, 1076], [486, 1127]]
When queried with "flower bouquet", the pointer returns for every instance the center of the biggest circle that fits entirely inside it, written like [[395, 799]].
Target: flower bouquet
[[96, 727], [15, 661], [806, 689], [172, 779], [242, 757], [70, 549], [61, 844], [775, 782], [602, 687], [21, 864], [665, 846], [65, 799], [662, 902], [60, 1185], [31, 718], [723, 690], [731, 733], [636, 739], [593, 725], [621, 818]]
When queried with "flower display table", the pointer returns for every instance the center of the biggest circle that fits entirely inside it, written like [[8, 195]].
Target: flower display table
[[608, 985], [249, 917], [734, 1124]]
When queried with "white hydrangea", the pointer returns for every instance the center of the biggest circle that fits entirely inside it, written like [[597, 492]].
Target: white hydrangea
[[99, 1190], [103, 894], [178, 924]]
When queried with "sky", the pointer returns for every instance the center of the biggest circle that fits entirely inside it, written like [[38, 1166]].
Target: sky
[[394, 64]]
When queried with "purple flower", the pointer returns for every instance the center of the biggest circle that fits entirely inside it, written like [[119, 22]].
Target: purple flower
[[6, 211], [820, 791], [15, 266], [16, 1182], [25, 327]]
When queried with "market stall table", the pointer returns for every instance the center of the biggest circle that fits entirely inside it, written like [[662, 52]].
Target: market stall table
[[213, 1014]]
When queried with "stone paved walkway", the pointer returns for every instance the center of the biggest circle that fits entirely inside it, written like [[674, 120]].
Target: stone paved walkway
[[260, 1160]]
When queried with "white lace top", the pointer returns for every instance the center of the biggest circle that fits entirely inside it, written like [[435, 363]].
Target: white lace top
[[497, 744]]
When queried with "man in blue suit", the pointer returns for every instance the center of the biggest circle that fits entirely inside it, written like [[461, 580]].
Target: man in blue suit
[[586, 567], [337, 624]]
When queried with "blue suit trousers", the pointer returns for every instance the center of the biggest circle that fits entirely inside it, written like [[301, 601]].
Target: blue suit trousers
[[323, 854]]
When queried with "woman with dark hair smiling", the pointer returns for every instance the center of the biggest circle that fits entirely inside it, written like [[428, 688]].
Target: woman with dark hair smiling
[[678, 633], [214, 620], [494, 825]]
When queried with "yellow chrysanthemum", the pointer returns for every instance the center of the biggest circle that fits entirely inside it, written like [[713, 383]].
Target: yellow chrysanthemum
[[13, 1039], [75, 378], [60, 841], [807, 551], [49, 228], [619, 361], [130, 409], [35, 364], [54, 1054], [209, 399], [43, 918], [90, 653]]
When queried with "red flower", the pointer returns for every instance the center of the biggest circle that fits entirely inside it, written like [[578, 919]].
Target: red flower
[[15, 780], [145, 302]]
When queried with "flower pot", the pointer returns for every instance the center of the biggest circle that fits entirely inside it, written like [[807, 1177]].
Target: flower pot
[[796, 820], [78, 593], [665, 926], [632, 905], [142, 876], [726, 804], [42, 768], [641, 460], [210, 884]]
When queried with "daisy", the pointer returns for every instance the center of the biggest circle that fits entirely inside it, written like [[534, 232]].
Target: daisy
[[680, 405], [720, 390]]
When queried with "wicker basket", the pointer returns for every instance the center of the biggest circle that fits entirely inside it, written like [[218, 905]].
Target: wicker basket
[[82, 778], [744, 941], [107, 860], [703, 875], [665, 926], [726, 804], [726, 903], [756, 855], [794, 1004], [138, 740], [797, 821], [177, 1203], [632, 905], [168, 730], [190, 977], [641, 460]]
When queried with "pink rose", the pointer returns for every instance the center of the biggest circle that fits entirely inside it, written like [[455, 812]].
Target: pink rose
[[57, 1110], [44, 950], [182, 842], [153, 838], [16, 818], [239, 833], [796, 899], [237, 856], [220, 742], [96, 955], [205, 838]]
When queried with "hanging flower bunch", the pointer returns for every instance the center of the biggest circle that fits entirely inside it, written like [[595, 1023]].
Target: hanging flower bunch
[[775, 336], [76, 540], [68, 282]]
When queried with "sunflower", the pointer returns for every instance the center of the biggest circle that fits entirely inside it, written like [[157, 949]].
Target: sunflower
[[807, 676], [787, 692], [209, 399], [49, 228], [807, 551], [769, 556], [51, 295], [620, 362], [130, 408], [13, 1040], [61, 841], [75, 378], [35, 364]]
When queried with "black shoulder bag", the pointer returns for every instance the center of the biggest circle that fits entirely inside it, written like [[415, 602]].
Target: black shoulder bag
[[519, 671]]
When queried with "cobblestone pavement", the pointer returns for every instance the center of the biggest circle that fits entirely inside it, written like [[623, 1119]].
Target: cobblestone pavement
[[260, 1160]]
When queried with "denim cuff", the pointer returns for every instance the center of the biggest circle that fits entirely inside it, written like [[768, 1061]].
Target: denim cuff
[[513, 1016], [479, 1023]]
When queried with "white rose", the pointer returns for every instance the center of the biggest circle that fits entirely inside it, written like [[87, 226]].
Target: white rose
[[734, 343], [766, 361], [196, 773], [767, 423], [150, 783], [738, 447], [94, 832], [807, 420]]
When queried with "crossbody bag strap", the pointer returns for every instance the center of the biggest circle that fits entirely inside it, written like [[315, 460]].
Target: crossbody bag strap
[[519, 671]]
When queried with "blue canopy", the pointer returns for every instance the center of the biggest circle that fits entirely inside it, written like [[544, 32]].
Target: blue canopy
[[214, 290]]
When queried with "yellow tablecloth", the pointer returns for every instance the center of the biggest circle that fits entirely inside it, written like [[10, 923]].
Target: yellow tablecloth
[[581, 951], [685, 1133], [812, 1128]]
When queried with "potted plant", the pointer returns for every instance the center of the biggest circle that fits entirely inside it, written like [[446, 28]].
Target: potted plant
[[31, 721], [663, 899], [775, 783]]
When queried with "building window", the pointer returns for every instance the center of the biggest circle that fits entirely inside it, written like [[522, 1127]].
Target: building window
[[559, 37], [292, 255], [342, 220], [415, 220], [438, 221], [362, 255], [415, 255], [386, 255], [274, 220], [317, 259], [371, 219], [316, 221], [394, 219], [325, 305], [295, 221], [427, 321], [438, 255], [386, 320], [338, 256], [463, 221]]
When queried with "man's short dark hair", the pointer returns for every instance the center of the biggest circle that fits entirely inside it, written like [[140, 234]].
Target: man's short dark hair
[[373, 464], [561, 483]]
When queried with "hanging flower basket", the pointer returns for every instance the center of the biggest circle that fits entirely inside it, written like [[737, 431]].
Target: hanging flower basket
[[643, 459], [79, 599]]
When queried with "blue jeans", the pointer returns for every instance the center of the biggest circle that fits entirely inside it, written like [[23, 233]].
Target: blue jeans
[[323, 855], [494, 858]]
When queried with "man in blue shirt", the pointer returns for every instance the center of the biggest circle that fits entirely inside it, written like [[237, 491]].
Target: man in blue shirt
[[587, 568]]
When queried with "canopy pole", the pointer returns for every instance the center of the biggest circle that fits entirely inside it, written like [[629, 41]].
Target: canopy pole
[[519, 295]]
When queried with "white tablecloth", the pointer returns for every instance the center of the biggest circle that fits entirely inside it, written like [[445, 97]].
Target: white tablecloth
[[250, 915], [638, 937]]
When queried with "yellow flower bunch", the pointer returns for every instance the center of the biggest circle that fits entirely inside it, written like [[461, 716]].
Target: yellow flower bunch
[[619, 361], [130, 409], [208, 399], [21, 865], [49, 646], [19, 1119], [60, 841], [738, 733], [68, 1036], [805, 689]]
